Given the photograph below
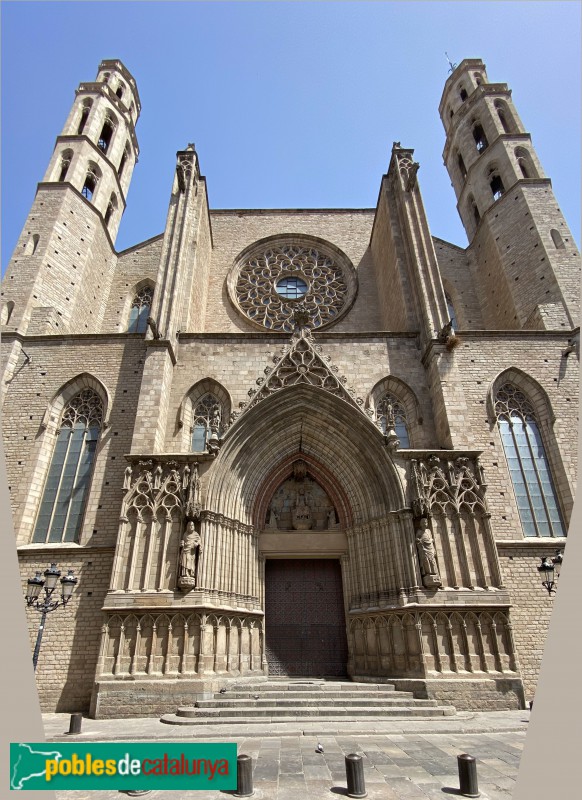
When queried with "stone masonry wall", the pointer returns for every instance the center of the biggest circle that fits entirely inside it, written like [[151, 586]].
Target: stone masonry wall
[[349, 230], [70, 644], [531, 605]]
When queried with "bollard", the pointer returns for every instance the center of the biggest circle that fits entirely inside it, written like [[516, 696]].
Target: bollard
[[468, 776], [244, 776], [75, 723], [355, 776]]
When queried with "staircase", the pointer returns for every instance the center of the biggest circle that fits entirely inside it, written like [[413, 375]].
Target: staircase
[[306, 700]]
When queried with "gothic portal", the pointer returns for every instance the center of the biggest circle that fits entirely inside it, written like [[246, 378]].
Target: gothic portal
[[305, 442]]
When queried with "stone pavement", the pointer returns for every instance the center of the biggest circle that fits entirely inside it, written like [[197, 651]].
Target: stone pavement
[[404, 759]]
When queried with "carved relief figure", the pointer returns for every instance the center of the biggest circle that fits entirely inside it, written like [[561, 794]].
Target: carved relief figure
[[427, 556], [190, 550], [301, 510]]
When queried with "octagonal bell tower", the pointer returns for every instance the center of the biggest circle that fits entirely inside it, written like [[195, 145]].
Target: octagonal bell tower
[[58, 278], [528, 263]]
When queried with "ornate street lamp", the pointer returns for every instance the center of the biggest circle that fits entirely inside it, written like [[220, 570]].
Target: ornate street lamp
[[549, 568], [48, 603]]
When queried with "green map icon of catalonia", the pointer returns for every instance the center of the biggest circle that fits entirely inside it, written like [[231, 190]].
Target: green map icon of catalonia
[[28, 764]]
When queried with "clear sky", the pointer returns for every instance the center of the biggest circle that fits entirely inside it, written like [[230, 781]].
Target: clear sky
[[290, 105]]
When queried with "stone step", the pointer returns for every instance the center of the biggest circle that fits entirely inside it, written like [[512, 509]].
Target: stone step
[[306, 695], [312, 701], [315, 686], [225, 716]]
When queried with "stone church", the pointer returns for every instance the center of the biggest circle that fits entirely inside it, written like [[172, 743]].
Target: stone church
[[292, 442]]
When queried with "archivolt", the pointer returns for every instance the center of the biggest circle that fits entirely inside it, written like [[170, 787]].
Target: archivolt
[[304, 422]]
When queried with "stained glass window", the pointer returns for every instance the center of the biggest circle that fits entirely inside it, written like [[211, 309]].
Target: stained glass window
[[528, 464], [391, 414], [67, 486]]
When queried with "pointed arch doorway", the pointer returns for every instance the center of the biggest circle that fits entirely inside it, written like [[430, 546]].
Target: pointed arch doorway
[[303, 540]]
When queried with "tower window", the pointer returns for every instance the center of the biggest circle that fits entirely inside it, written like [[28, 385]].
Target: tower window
[[106, 76], [525, 163], [463, 94], [496, 184], [505, 117], [106, 134], [6, 313], [528, 464], [111, 206], [64, 169], [122, 163], [140, 310], [474, 210], [31, 245], [462, 167], [89, 186], [207, 420], [557, 239], [120, 90], [391, 414], [66, 159], [84, 115], [67, 486], [478, 78], [480, 138], [503, 121]]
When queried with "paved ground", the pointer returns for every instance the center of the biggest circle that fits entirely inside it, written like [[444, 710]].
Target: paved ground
[[404, 759]]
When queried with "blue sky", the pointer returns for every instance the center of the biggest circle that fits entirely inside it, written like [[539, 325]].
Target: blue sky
[[290, 105]]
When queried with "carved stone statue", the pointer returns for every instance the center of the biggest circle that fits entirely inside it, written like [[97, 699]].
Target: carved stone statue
[[427, 556], [273, 521], [331, 523], [301, 513], [190, 550]]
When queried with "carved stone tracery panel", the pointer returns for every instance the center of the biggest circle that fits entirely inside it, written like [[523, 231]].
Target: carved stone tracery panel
[[266, 283]]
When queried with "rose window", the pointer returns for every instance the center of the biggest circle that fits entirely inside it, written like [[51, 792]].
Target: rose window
[[268, 280]]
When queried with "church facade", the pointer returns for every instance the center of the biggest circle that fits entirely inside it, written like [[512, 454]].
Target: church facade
[[302, 442]]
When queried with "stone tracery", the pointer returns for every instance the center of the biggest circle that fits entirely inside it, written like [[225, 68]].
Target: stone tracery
[[329, 288]]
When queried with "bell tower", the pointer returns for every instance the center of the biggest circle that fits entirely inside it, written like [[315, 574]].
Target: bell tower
[[59, 275], [528, 264]]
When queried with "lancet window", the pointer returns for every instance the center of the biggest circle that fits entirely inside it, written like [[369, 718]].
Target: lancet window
[[140, 310], [528, 464], [207, 419], [391, 414], [67, 486]]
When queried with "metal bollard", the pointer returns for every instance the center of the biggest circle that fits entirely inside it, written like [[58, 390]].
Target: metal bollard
[[244, 776], [355, 776], [75, 723], [468, 776]]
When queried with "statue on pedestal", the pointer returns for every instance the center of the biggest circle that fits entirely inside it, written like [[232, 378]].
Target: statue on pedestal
[[427, 556], [190, 550]]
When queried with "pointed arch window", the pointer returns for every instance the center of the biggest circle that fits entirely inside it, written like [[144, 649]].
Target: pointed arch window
[[111, 208], [480, 138], [67, 486], [391, 414], [140, 310], [451, 311], [528, 464], [86, 108], [207, 420], [122, 163], [106, 133], [91, 180]]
